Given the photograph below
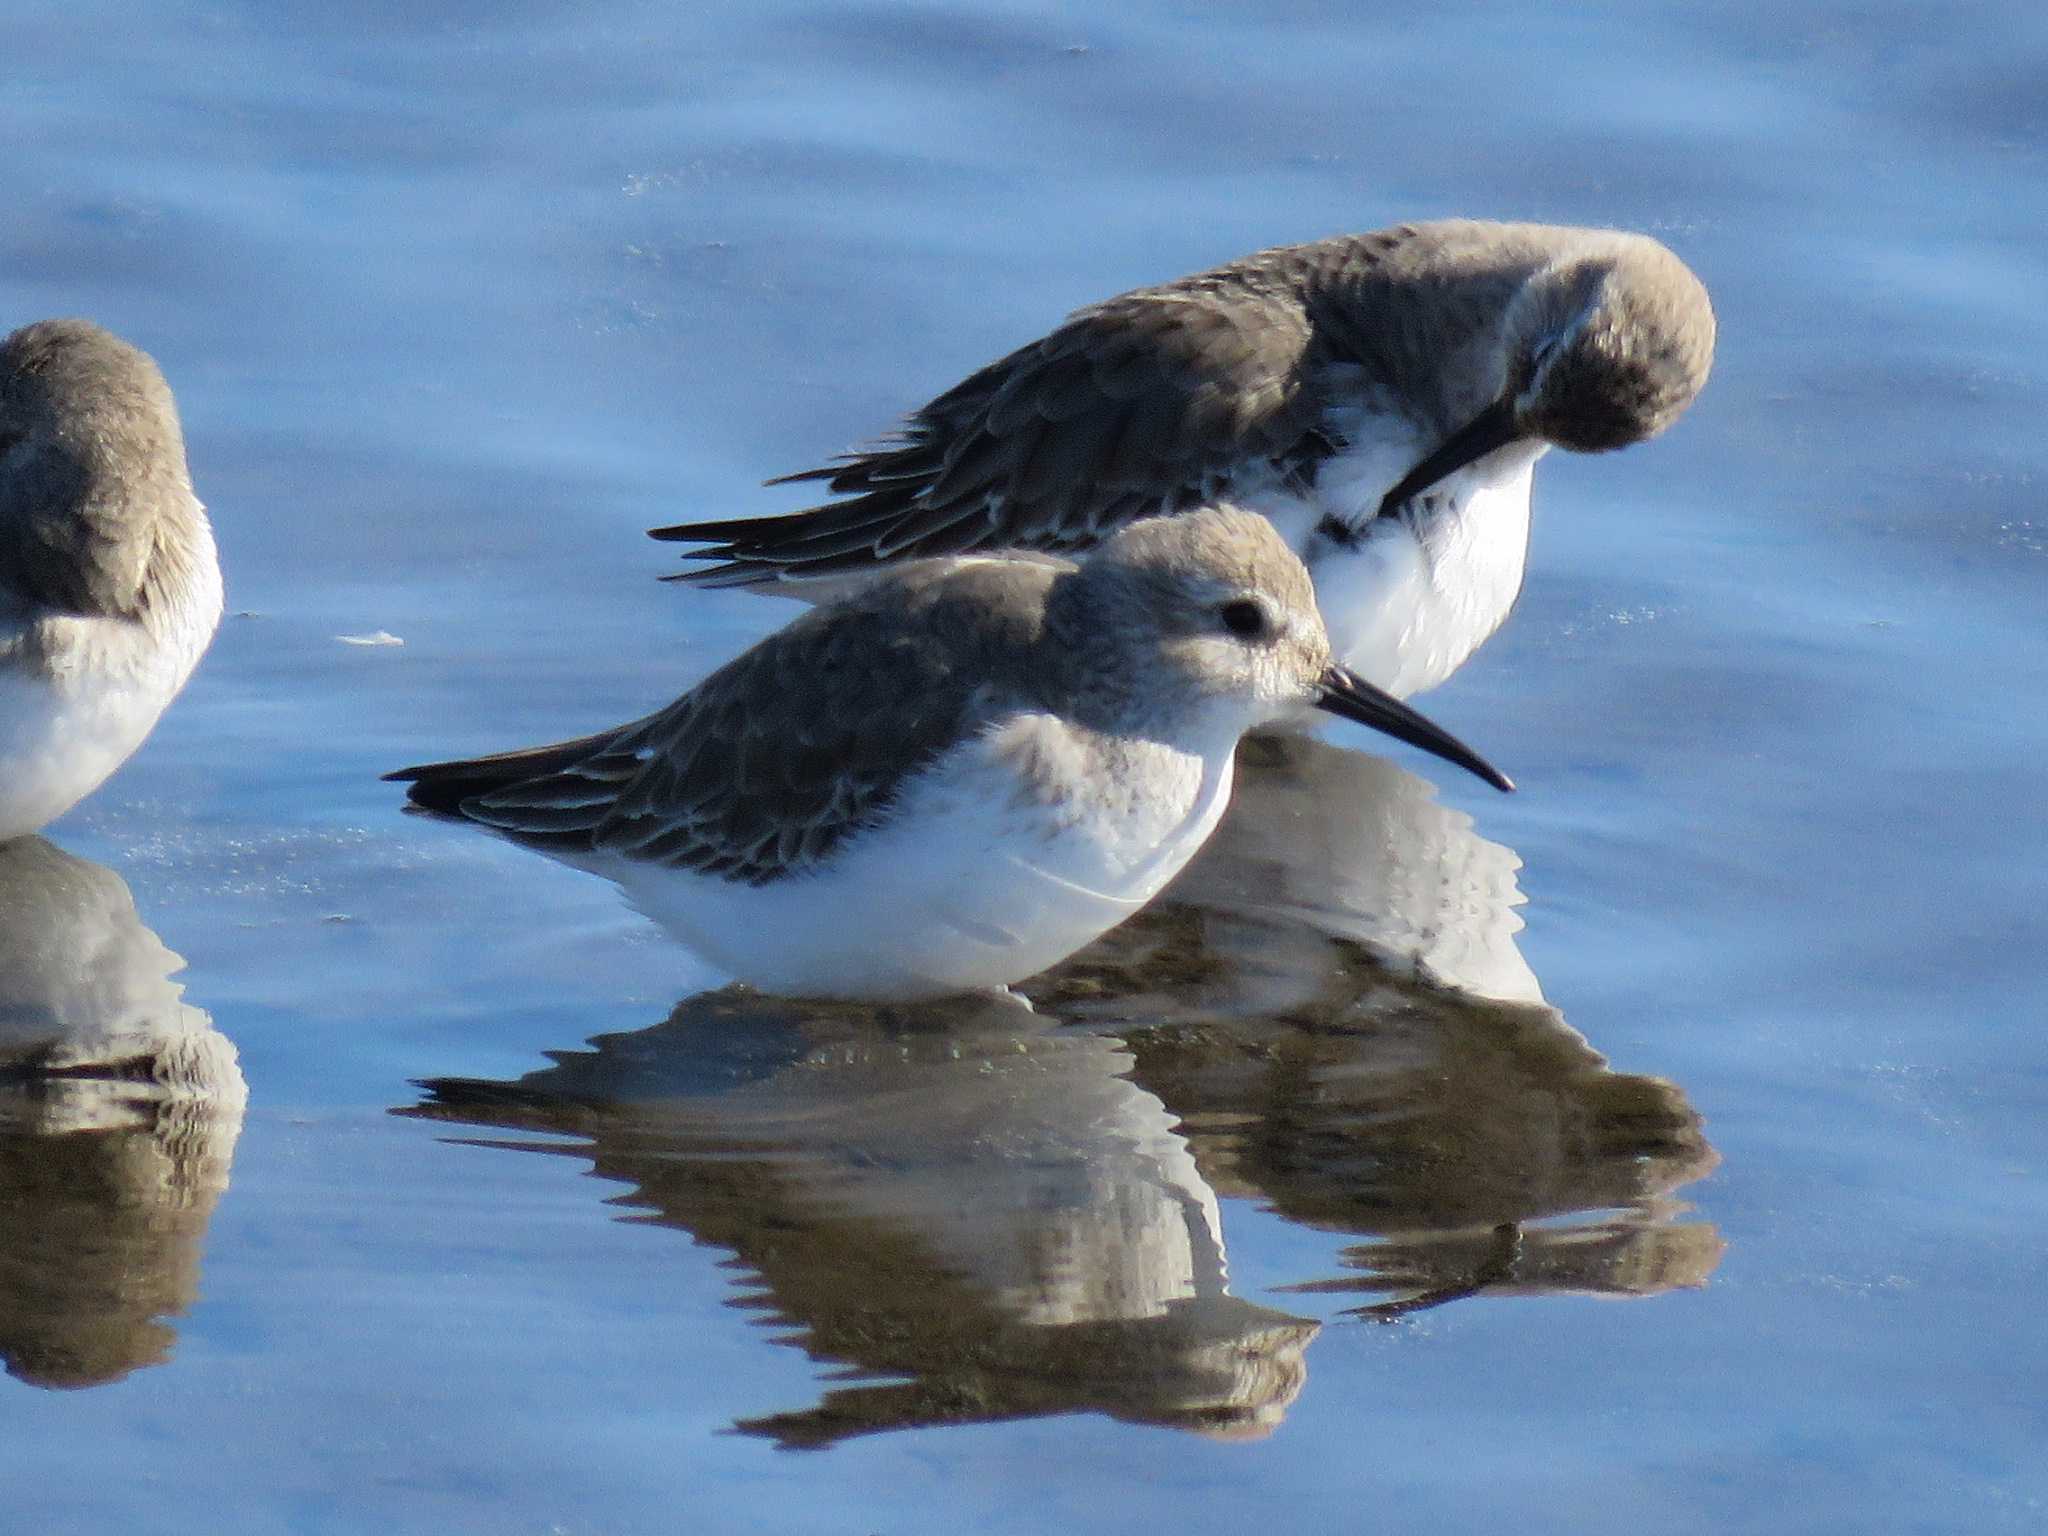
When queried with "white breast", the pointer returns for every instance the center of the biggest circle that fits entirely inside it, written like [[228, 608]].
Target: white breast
[[78, 703], [1412, 597], [973, 883]]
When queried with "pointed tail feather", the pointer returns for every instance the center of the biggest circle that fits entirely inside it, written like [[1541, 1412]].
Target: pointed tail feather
[[720, 530], [737, 574], [845, 525], [443, 787]]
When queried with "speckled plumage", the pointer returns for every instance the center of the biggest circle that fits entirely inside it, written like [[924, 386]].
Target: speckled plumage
[[1171, 396], [765, 765]]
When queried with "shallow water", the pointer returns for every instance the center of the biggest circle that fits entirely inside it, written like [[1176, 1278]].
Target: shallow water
[[1254, 1216]]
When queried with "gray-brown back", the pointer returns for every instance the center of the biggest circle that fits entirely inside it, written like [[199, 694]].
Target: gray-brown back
[[1200, 388], [766, 765]]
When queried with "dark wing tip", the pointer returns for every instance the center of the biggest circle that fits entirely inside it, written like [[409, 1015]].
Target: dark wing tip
[[714, 531], [436, 786], [824, 472], [735, 573]]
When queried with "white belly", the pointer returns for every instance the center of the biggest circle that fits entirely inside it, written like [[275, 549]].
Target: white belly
[[968, 886], [68, 724], [60, 738]]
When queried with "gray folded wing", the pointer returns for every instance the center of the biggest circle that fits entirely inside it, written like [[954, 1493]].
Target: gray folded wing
[[768, 764], [1150, 402]]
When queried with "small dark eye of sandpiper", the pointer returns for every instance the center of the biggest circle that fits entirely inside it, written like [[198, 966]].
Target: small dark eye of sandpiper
[[1244, 618]]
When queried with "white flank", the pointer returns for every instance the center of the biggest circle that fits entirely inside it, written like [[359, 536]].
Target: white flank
[[64, 729], [970, 884]]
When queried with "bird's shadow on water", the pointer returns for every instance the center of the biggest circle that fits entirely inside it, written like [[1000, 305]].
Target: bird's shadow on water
[[120, 1106], [1000, 1207]]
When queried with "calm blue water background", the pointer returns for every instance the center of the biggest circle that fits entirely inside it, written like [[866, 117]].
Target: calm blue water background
[[459, 299]]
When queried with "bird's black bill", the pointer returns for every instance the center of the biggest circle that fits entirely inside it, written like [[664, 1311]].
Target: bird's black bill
[[1344, 693], [1492, 428]]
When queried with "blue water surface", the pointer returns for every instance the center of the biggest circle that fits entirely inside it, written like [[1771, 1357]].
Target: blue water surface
[[457, 300]]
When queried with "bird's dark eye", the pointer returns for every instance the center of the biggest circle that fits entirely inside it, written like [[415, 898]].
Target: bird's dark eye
[[1244, 618]]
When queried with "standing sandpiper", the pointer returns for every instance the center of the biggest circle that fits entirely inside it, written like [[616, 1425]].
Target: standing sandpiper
[[953, 777], [109, 586], [1383, 398]]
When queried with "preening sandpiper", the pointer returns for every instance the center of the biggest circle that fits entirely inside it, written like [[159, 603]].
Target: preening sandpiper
[[1383, 398], [952, 777], [109, 586]]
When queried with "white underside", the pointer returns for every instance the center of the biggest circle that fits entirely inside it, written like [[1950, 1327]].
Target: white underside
[[1415, 595], [969, 884], [67, 725]]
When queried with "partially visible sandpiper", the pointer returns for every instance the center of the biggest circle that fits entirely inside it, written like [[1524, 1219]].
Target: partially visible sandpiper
[[109, 586], [952, 778], [1383, 398]]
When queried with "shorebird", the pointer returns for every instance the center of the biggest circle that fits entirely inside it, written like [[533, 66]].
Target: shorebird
[[109, 585], [953, 777], [1383, 398]]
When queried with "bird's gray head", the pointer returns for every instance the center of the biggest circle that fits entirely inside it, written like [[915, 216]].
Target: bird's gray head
[[1605, 345], [1208, 612], [1607, 348], [1204, 624], [69, 385], [91, 456]]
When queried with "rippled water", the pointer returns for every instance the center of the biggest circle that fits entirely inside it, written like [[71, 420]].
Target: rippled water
[[1297, 1199]]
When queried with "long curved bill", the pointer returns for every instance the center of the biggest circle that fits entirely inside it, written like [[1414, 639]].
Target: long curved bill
[[1492, 428], [1344, 693]]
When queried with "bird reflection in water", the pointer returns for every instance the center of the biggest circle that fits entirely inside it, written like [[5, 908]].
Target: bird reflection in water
[[984, 1210], [965, 1195], [1334, 1011], [119, 1109]]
